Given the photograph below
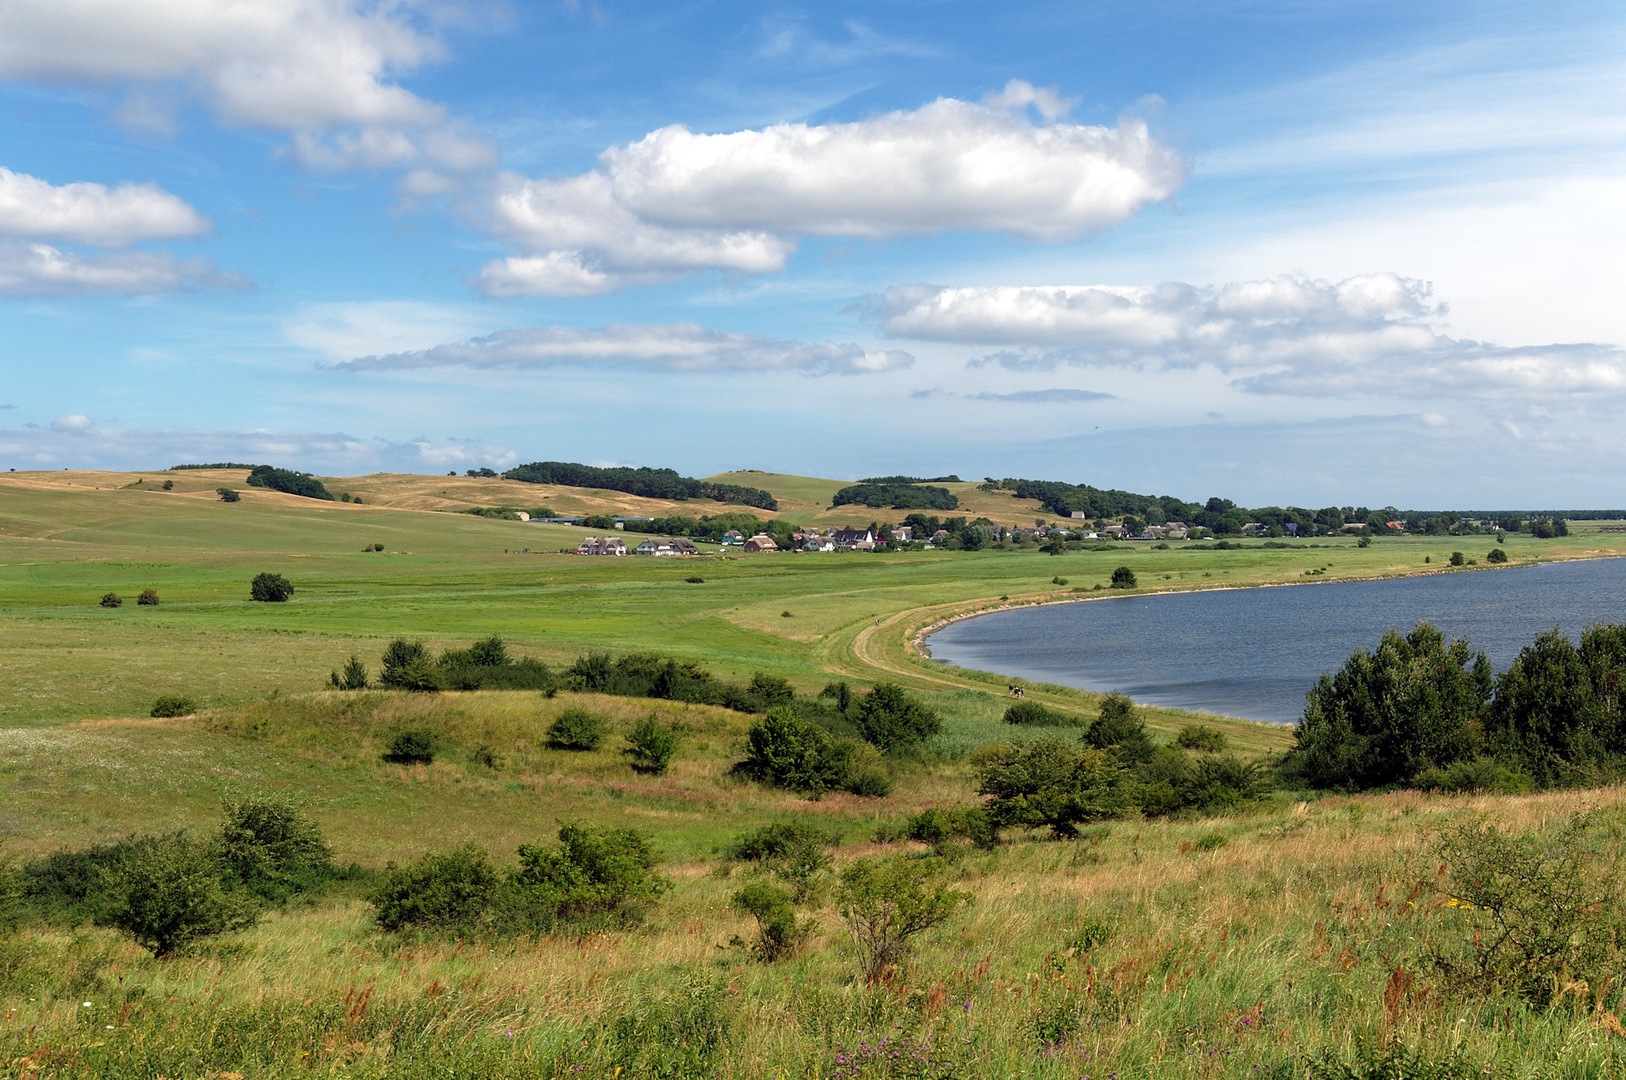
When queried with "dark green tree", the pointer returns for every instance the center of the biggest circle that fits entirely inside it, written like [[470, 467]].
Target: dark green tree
[[270, 588], [1414, 702], [1050, 781], [890, 719]]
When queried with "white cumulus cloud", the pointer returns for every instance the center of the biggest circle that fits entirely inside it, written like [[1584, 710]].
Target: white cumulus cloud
[[678, 200], [43, 270], [92, 213], [1376, 333], [676, 347], [322, 69]]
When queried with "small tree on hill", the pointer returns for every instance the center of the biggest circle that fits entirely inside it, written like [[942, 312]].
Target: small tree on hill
[[887, 902], [168, 893], [406, 666], [228, 495], [1050, 781], [891, 719], [270, 588], [1123, 578], [353, 676], [1118, 728], [576, 729], [651, 745]]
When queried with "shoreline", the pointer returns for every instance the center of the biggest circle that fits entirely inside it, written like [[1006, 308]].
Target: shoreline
[[919, 644]]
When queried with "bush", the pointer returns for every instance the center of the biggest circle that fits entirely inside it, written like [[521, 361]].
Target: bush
[[779, 931], [938, 825], [1541, 915], [413, 746], [793, 851], [271, 848], [651, 675], [1123, 578], [111, 599], [148, 598], [169, 485], [1481, 774], [1120, 729], [228, 495], [695, 580], [172, 705], [783, 750], [1413, 703], [1200, 737], [168, 893], [651, 745], [352, 677], [270, 588], [840, 693], [576, 729], [1050, 782], [443, 891], [1458, 559], [892, 720], [406, 666], [1496, 555], [594, 872], [1558, 714], [1031, 712], [1172, 782], [768, 691], [886, 902]]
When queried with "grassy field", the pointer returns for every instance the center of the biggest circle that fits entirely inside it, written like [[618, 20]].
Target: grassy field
[[1232, 947]]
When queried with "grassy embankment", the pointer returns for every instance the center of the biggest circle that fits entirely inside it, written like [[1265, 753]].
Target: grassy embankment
[[1279, 942]]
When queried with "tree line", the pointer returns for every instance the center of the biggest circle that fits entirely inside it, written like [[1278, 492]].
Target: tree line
[[888, 492], [645, 482], [1421, 711]]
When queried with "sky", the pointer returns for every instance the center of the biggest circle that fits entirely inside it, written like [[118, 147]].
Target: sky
[[1309, 253]]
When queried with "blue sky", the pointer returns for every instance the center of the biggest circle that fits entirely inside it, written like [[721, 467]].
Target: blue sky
[[1301, 253]]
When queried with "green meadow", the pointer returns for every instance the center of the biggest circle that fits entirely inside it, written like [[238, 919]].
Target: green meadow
[[1287, 940]]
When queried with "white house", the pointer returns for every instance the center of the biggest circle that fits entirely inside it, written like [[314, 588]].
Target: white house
[[818, 543], [602, 545]]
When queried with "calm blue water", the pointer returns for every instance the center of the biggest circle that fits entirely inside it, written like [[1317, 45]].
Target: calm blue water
[[1254, 652]]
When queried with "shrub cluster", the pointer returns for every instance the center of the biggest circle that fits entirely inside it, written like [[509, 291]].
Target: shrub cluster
[[597, 878], [485, 665], [1112, 771], [784, 750], [285, 480], [171, 890], [576, 729], [1032, 712], [173, 705], [791, 859], [644, 674], [1421, 711]]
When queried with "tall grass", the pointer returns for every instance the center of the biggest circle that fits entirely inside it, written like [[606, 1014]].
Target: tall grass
[[1133, 951]]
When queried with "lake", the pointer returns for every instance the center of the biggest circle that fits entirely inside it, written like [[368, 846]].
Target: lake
[[1254, 652]]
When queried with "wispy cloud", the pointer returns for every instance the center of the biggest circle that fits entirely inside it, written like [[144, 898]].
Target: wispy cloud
[[684, 347], [1287, 335], [43, 270], [1044, 397], [76, 441]]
